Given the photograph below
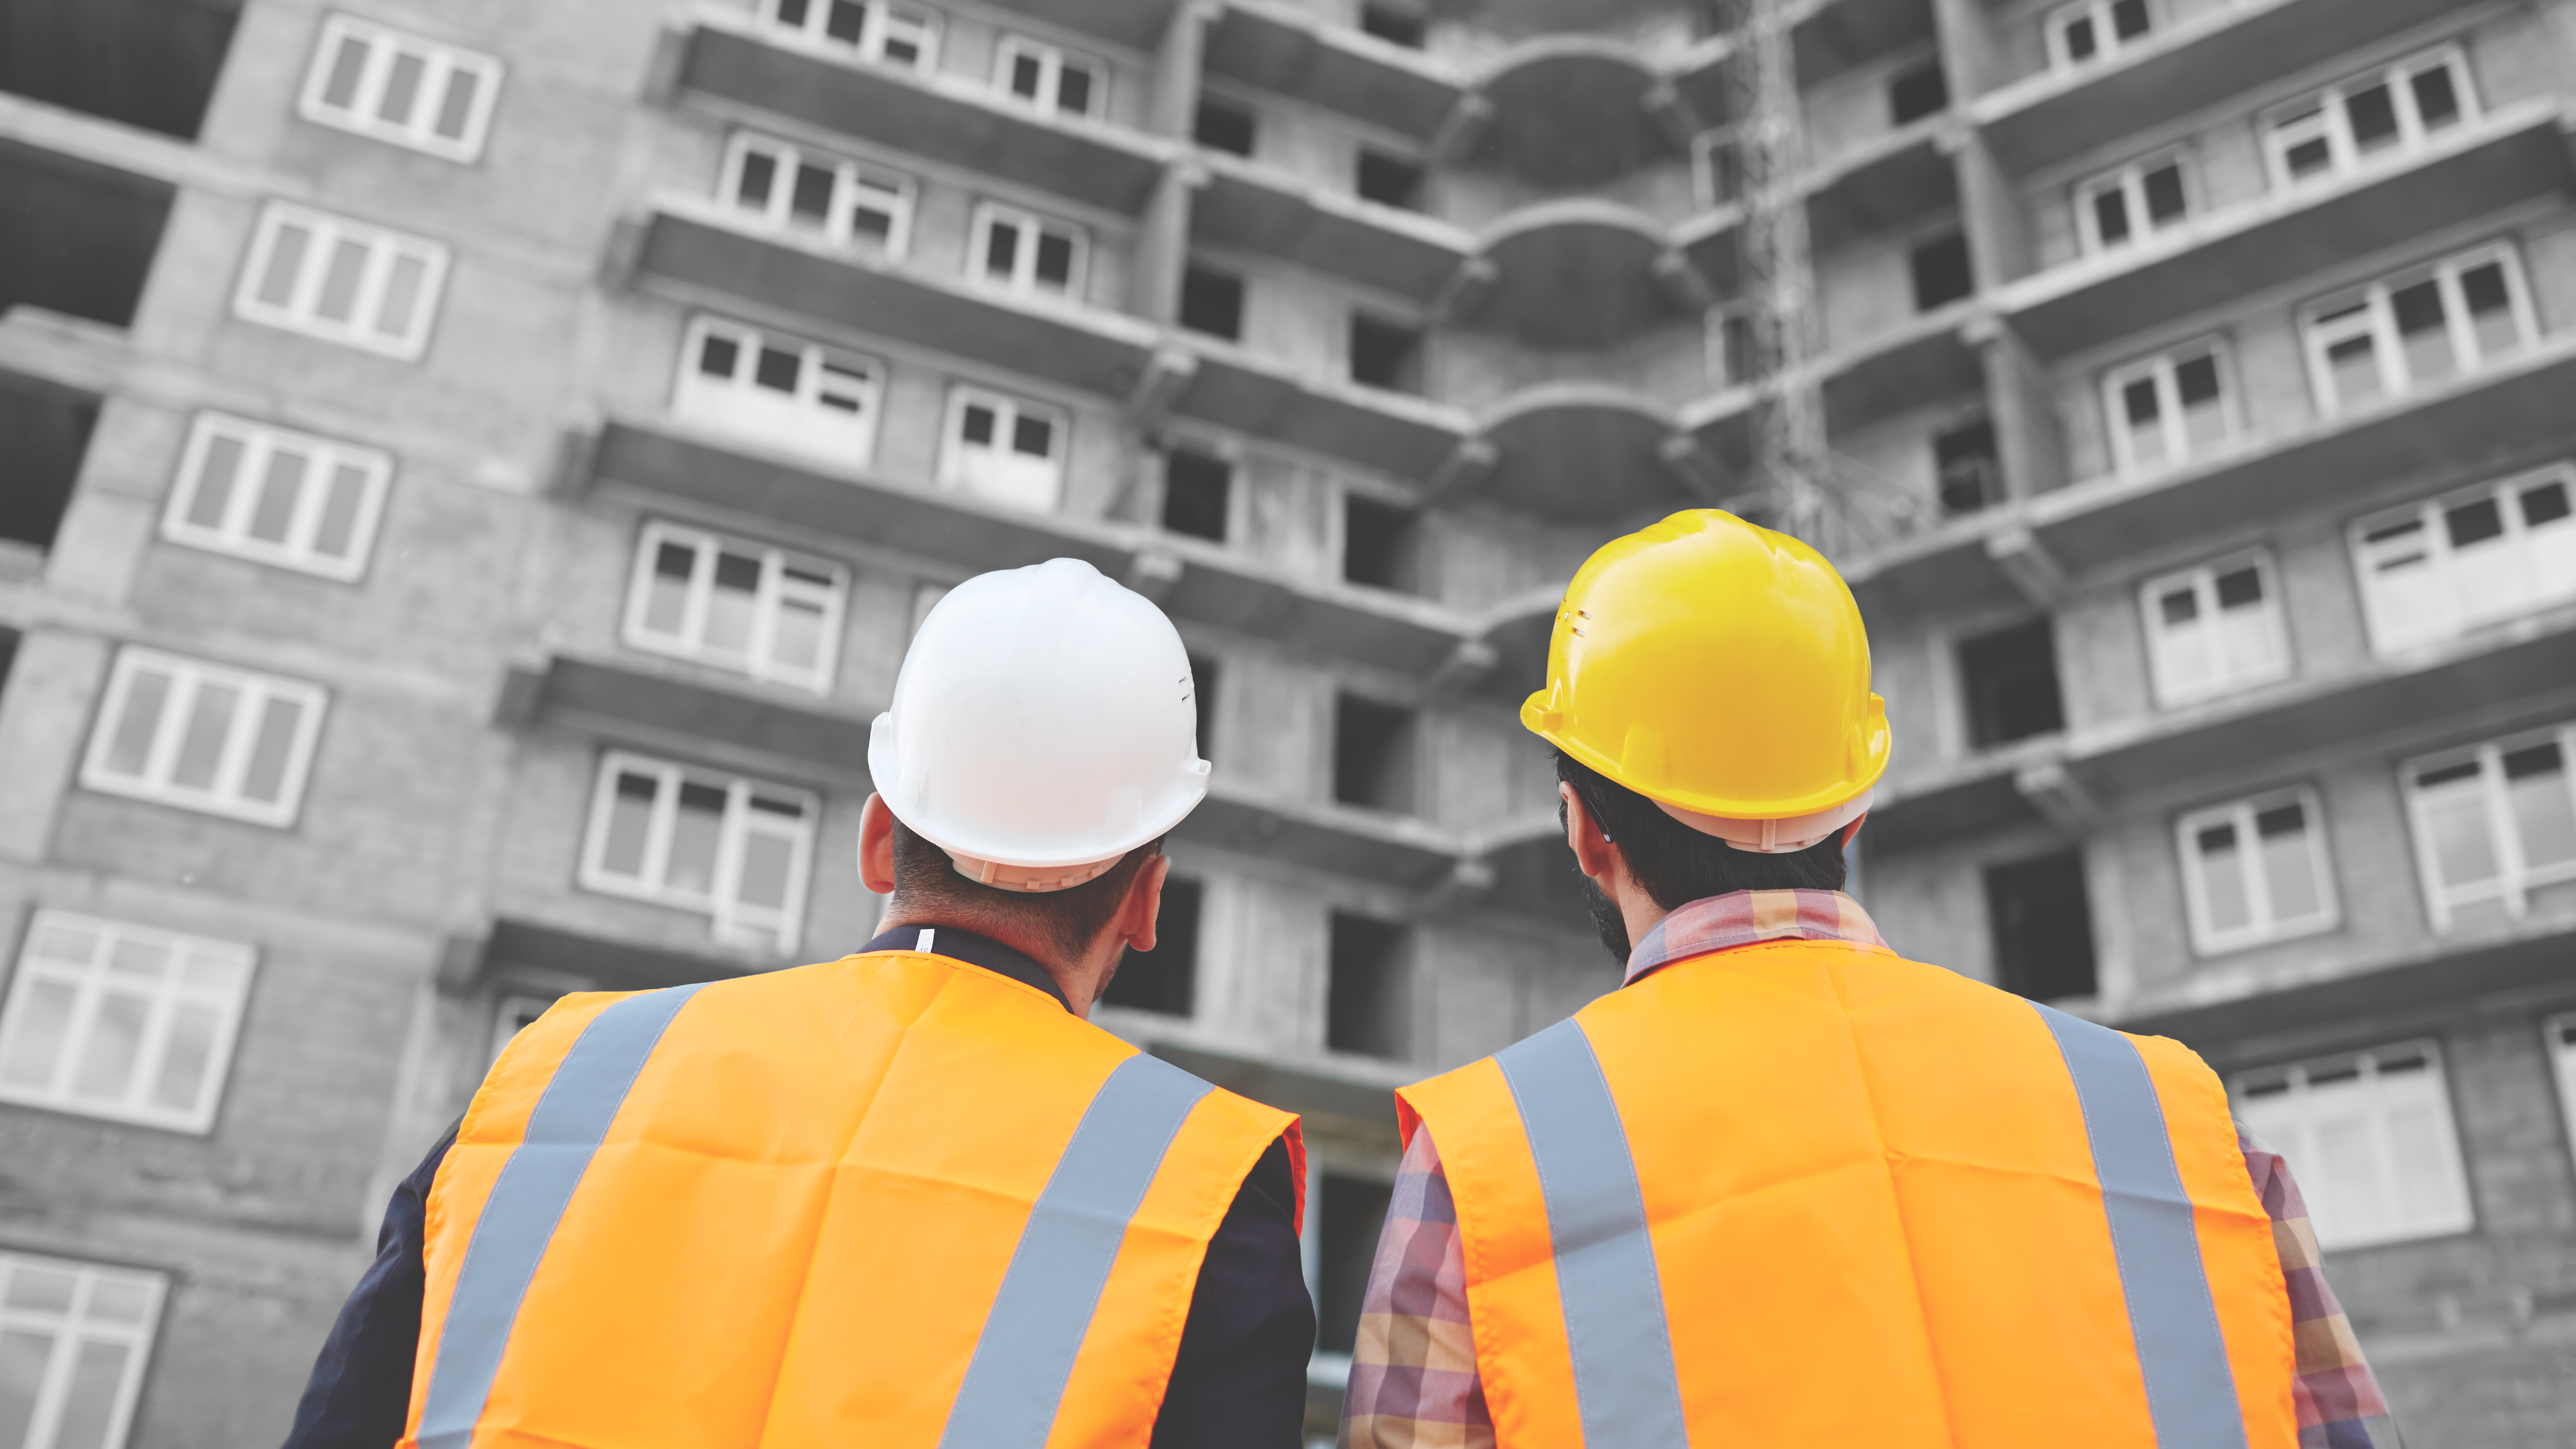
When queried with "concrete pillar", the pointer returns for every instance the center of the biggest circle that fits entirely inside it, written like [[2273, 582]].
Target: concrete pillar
[[1990, 212], [1163, 244], [2029, 446], [1176, 70], [1971, 56]]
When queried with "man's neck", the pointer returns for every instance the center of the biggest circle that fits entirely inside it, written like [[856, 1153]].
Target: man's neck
[[1071, 983]]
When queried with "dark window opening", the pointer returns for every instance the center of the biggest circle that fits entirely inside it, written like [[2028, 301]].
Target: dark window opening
[[1212, 302], [1197, 494], [1919, 92], [1965, 468], [79, 238], [1381, 544], [1394, 24], [44, 434], [1373, 754], [1722, 172], [1941, 273], [1385, 354], [1350, 1212], [1203, 677], [147, 63], [1368, 995], [8, 656], [1389, 180], [1225, 126], [2009, 678], [2043, 927], [1165, 979]]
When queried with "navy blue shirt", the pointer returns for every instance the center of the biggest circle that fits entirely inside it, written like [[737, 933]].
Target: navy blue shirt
[[1239, 1379]]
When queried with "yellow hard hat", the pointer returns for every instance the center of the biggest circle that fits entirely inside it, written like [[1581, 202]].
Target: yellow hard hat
[[1719, 669]]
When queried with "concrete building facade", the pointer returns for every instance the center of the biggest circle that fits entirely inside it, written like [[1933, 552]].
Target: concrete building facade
[[473, 470]]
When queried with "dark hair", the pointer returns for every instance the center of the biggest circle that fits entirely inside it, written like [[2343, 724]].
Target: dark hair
[[926, 880], [1676, 864]]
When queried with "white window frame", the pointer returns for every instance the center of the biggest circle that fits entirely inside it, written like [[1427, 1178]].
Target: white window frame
[[776, 590], [2263, 1112], [2202, 582], [2264, 923], [734, 922], [855, 187], [300, 310], [2402, 619], [81, 1326], [2130, 181], [1023, 275], [1051, 62], [884, 24], [2107, 41], [956, 466], [801, 421], [208, 975], [2515, 877], [440, 64], [2322, 114], [189, 678], [259, 445], [2162, 371], [2368, 309]]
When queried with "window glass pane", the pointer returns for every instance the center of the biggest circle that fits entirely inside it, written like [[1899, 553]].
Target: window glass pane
[[812, 200], [117, 1300], [666, 604], [759, 172], [2079, 39], [2181, 606], [109, 1053], [2128, 18], [797, 637], [339, 92], [41, 1290], [978, 424], [215, 482], [402, 295], [2490, 305], [458, 105], [1033, 436], [2437, 102], [2544, 814], [1001, 249], [2545, 504], [2139, 400], [131, 748], [402, 88], [2354, 365], [847, 21], [1073, 90], [35, 1044], [285, 264], [139, 960], [630, 823], [791, 13], [2456, 822], [2308, 157], [2222, 878], [694, 833], [2111, 215], [2196, 379], [334, 536], [2474, 522], [92, 1401], [766, 861], [2164, 193], [201, 747], [22, 1373], [1055, 259], [184, 1057], [340, 280], [1024, 75], [2289, 863], [731, 606], [718, 356], [2240, 588], [2372, 114], [278, 495], [777, 370], [265, 780]]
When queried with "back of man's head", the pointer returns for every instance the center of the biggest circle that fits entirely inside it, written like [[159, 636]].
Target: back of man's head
[[1675, 864], [928, 886]]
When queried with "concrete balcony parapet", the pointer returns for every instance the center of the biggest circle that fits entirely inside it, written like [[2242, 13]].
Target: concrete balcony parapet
[[2480, 425], [1135, 24], [1331, 839], [1900, 369], [1288, 51], [738, 725], [1261, 209], [1575, 110], [1591, 451], [1387, 432], [699, 252], [2509, 155], [1581, 272], [2061, 114], [747, 70]]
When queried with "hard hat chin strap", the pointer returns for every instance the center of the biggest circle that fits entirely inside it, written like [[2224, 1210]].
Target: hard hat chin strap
[[1031, 879], [1774, 837]]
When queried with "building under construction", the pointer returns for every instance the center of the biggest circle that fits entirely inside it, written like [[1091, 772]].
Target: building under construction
[[469, 471]]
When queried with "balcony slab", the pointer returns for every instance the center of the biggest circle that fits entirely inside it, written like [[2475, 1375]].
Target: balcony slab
[[1577, 273], [1392, 433], [1255, 209], [1282, 49], [1569, 111], [738, 729]]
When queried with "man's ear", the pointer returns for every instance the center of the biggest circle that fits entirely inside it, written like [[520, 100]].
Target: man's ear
[[1592, 849], [876, 846], [1144, 903]]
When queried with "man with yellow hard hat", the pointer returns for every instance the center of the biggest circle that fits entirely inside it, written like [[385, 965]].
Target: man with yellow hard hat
[[1786, 1188], [906, 1198]]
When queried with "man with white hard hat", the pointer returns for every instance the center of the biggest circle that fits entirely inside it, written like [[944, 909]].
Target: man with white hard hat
[[910, 1197]]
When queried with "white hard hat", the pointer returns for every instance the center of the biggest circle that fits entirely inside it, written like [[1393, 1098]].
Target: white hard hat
[[1042, 727]]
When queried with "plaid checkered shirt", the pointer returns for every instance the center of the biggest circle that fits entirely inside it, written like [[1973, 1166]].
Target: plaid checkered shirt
[[1413, 1381]]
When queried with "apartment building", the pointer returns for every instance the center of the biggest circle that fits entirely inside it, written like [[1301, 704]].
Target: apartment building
[[474, 469]]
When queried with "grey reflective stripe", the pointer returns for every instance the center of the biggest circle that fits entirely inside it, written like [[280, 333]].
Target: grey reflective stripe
[[1038, 1319], [2191, 1390], [518, 1219], [1624, 1384]]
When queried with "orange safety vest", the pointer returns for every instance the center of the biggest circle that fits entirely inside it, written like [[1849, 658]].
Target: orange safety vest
[[892, 1200], [1809, 1193]]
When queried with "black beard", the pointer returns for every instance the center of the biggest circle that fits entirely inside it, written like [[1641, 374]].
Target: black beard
[[1607, 920]]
